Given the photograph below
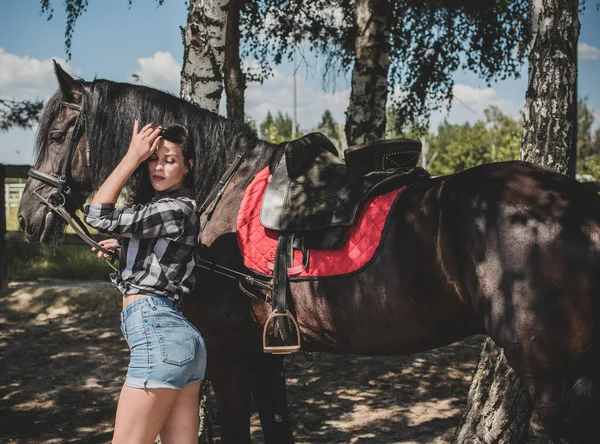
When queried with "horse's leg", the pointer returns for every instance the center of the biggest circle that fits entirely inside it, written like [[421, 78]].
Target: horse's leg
[[229, 377], [269, 394]]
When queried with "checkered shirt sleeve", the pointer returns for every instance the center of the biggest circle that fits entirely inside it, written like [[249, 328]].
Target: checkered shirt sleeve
[[165, 217]]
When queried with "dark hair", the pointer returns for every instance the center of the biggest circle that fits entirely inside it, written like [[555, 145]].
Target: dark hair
[[179, 134]]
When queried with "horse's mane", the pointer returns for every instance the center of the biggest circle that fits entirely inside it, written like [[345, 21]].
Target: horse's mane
[[110, 109]]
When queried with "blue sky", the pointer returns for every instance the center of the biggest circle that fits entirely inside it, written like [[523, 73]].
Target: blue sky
[[113, 41]]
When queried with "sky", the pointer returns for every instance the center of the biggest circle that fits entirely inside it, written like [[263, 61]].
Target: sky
[[114, 41]]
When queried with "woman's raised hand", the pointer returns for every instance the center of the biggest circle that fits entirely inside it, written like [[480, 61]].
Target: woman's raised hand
[[144, 142]]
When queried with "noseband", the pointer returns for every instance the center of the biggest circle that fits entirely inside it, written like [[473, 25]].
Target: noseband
[[63, 192]]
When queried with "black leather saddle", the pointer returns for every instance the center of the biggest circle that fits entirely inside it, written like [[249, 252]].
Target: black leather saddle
[[313, 198], [313, 191]]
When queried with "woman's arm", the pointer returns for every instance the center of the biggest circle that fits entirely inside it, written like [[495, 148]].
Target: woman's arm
[[142, 145]]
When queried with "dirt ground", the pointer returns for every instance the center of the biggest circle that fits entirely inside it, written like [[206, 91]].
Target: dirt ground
[[63, 361]]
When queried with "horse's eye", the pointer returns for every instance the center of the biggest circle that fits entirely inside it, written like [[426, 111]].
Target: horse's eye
[[57, 137]]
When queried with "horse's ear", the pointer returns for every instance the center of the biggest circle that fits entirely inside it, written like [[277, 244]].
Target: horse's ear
[[71, 89]]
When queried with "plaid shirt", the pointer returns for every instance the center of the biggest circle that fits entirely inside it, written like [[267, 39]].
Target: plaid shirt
[[158, 240]]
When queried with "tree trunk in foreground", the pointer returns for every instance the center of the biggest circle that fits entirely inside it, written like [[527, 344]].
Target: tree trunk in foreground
[[204, 53], [499, 406], [365, 117]]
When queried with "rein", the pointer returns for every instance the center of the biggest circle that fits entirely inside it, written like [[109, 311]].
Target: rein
[[211, 203], [63, 191]]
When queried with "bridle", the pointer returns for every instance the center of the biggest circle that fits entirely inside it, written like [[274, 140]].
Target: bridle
[[57, 200], [65, 194]]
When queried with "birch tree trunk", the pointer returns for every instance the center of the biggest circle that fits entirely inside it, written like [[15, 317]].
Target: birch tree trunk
[[235, 80], [550, 120], [204, 53], [365, 117], [499, 407]]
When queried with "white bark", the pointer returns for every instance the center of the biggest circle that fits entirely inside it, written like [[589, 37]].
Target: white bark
[[550, 117], [204, 53], [365, 118]]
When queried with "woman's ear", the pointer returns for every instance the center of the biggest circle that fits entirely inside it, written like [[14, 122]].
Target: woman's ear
[[190, 165]]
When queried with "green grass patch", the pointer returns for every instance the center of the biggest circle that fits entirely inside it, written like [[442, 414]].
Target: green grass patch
[[32, 261]]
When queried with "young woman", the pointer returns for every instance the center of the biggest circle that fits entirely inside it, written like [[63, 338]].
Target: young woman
[[167, 354]]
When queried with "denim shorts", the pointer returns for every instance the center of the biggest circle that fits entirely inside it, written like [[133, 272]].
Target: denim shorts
[[166, 350]]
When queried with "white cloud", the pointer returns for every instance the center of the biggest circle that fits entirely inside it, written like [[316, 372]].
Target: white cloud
[[276, 95], [587, 52], [468, 94], [469, 104], [26, 78], [160, 71]]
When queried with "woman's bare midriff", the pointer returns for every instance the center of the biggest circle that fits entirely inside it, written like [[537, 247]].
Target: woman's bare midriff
[[133, 297]]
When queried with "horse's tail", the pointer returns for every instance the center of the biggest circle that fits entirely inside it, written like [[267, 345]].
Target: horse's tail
[[582, 398]]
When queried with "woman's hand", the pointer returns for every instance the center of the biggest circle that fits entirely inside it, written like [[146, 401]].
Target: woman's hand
[[143, 142], [110, 245]]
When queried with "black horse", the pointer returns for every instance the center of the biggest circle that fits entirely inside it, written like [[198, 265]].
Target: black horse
[[507, 249]]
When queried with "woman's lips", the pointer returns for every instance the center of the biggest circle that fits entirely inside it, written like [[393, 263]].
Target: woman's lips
[[157, 178]]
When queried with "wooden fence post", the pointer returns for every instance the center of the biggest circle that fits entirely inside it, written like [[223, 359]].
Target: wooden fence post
[[3, 252]]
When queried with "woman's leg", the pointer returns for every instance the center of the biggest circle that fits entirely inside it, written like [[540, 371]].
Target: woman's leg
[[141, 413], [181, 426]]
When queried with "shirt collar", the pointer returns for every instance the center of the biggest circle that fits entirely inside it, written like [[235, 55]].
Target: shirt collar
[[182, 192]]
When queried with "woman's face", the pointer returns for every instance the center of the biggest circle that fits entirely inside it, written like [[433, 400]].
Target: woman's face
[[167, 167]]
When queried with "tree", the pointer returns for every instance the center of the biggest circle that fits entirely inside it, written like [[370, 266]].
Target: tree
[[365, 117], [549, 139], [330, 128], [549, 131], [428, 41], [19, 114], [588, 142], [277, 130], [204, 53], [459, 147], [235, 79]]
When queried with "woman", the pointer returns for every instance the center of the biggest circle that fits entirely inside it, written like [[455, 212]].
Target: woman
[[167, 354]]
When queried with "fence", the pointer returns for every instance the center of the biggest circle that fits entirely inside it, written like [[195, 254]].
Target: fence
[[12, 194], [6, 201]]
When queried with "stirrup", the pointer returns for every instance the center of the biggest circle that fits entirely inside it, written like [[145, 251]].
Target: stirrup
[[281, 349]]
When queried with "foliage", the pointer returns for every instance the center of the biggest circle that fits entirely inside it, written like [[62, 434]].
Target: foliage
[[429, 41], [588, 142], [278, 129], [332, 129], [20, 114], [459, 147]]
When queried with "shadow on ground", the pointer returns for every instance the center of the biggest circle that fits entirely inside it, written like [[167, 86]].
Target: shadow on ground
[[63, 361]]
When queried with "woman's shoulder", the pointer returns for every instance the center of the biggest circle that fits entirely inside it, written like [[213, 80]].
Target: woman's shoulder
[[184, 198]]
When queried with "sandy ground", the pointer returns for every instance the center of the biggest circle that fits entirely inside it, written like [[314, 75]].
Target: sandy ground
[[63, 361]]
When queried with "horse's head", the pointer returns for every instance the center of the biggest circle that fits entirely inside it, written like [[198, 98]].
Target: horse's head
[[60, 176]]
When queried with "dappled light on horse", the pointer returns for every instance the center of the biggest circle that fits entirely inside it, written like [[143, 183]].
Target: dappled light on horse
[[508, 249]]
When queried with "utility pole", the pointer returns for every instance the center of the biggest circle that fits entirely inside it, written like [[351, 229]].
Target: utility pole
[[294, 94]]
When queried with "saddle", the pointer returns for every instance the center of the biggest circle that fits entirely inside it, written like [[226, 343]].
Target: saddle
[[313, 198]]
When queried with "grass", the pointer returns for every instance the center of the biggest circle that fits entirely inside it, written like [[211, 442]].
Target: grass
[[32, 261]]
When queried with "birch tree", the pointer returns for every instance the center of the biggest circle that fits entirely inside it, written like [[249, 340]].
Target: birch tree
[[365, 117], [499, 408], [204, 53]]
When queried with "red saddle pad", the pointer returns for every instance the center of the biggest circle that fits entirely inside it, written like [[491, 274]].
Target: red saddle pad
[[257, 244]]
